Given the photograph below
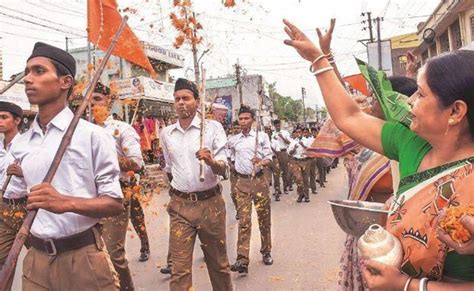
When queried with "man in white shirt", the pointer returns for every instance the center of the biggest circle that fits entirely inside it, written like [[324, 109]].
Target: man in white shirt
[[282, 138], [13, 205], [127, 144], [300, 164], [307, 135], [251, 154], [196, 208], [274, 170], [66, 248]]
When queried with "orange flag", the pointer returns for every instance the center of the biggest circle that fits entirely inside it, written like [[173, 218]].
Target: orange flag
[[358, 82], [128, 46]]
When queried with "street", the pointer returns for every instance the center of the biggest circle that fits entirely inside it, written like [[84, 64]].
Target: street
[[307, 244]]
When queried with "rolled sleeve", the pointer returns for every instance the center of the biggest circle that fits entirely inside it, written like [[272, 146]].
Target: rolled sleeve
[[131, 145], [267, 150], [220, 143], [165, 151], [105, 165]]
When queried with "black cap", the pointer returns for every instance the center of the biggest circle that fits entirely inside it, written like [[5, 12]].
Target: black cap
[[183, 84], [12, 108], [51, 52], [276, 121], [246, 109], [102, 89]]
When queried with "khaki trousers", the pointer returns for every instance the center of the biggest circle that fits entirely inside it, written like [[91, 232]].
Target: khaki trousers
[[274, 170], [300, 170], [137, 217], [233, 192], [284, 163], [312, 174], [253, 190], [114, 233], [205, 219], [87, 268], [11, 219], [321, 170]]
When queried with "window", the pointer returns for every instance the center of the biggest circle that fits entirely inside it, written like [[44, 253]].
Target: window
[[456, 35], [444, 42], [402, 60]]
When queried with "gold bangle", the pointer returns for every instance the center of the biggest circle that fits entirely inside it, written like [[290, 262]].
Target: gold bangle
[[320, 57], [323, 70]]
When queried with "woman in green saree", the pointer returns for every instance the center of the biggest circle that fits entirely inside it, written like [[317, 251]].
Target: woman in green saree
[[435, 156]]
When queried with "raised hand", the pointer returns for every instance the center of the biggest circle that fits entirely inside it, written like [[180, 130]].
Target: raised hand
[[325, 40], [303, 45]]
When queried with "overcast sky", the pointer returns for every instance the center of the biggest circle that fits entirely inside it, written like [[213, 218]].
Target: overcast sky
[[251, 33]]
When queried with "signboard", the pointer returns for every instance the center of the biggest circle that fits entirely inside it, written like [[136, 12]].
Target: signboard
[[164, 55], [144, 87], [16, 95], [372, 51], [227, 102]]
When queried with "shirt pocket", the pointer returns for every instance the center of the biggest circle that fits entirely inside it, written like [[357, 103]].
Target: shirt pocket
[[73, 174]]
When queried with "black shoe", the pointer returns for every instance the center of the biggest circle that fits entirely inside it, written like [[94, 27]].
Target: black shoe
[[239, 267], [300, 198], [291, 188], [144, 256], [306, 199], [267, 259], [277, 197], [166, 270]]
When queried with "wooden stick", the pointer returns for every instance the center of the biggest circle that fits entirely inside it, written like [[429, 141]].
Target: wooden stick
[[258, 125], [7, 181], [203, 119], [15, 80], [22, 235]]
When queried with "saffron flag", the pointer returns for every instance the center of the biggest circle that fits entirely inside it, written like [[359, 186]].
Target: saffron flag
[[103, 20], [358, 82]]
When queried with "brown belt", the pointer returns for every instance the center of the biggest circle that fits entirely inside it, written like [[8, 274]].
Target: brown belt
[[15, 201], [197, 196], [259, 174], [56, 246]]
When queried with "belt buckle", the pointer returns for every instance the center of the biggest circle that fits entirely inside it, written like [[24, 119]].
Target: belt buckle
[[51, 252], [193, 197]]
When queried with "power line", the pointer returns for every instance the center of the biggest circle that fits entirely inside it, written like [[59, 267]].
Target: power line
[[40, 24], [37, 38], [39, 18]]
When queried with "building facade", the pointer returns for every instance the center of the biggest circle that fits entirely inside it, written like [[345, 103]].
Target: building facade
[[450, 27], [225, 91]]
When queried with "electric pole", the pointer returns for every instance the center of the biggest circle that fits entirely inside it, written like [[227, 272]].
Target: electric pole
[[379, 42], [239, 81], [303, 95], [369, 23]]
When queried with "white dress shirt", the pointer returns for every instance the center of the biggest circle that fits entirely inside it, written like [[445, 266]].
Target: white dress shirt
[[299, 149], [89, 169], [127, 141], [242, 150], [282, 144], [179, 150], [17, 186]]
